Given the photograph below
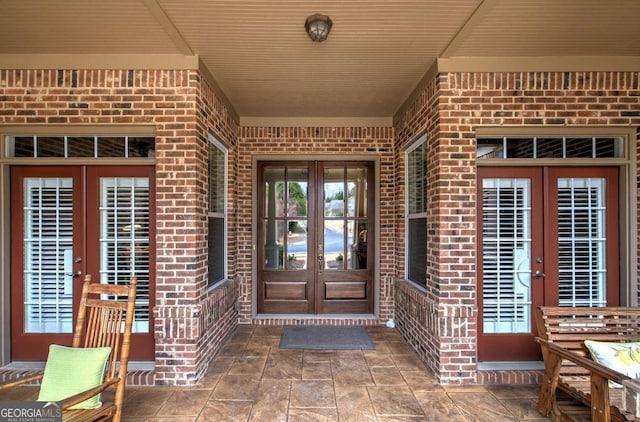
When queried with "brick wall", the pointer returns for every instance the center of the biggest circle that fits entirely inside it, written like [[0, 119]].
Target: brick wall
[[450, 109], [308, 141], [218, 317], [182, 108], [191, 323]]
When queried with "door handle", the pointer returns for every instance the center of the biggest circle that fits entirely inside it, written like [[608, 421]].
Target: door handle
[[68, 281], [539, 274]]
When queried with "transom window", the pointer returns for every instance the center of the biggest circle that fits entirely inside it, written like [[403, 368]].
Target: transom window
[[550, 147], [80, 147]]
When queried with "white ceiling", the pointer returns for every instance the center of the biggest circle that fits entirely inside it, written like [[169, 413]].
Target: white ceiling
[[377, 53]]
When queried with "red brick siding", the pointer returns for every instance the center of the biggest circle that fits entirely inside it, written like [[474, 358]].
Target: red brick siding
[[450, 109], [181, 108], [218, 317], [376, 142], [191, 323]]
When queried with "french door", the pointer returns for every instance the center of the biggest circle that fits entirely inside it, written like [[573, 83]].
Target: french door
[[315, 226], [547, 236], [68, 221]]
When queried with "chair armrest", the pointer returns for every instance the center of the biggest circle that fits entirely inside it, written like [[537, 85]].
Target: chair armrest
[[599, 400], [80, 397], [588, 364], [20, 381]]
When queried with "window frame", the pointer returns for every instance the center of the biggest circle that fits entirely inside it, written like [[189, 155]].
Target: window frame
[[214, 142], [418, 142]]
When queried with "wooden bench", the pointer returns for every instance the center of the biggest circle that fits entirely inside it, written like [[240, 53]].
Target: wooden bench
[[574, 387]]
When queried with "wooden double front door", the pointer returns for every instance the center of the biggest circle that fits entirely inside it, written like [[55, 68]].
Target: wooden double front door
[[315, 253]]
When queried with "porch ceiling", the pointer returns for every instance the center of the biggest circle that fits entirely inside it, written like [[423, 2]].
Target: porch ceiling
[[377, 53]]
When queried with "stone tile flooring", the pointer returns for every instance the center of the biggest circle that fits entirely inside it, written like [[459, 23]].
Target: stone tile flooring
[[251, 379]]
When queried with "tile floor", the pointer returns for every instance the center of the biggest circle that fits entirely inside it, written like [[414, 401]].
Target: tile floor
[[251, 379]]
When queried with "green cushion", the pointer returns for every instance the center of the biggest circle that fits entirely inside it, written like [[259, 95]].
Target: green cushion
[[621, 357], [71, 371]]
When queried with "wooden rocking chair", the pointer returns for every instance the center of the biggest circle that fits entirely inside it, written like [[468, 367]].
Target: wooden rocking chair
[[102, 321]]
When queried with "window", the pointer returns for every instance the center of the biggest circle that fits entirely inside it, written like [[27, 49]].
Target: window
[[80, 146], [550, 147], [217, 236], [416, 225]]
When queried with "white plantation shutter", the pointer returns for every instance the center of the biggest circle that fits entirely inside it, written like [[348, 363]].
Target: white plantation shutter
[[48, 254], [581, 242], [124, 238], [506, 255]]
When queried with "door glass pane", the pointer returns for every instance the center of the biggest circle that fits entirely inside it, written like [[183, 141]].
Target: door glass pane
[[297, 201], [297, 245], [351, 243], [124, 238], [357, 192], [334, 244], [284, 225], [334, 193], [358, 241], [48, 254], [273, 244], [274, 192], [581, 242], [297, 192], [506, 255]]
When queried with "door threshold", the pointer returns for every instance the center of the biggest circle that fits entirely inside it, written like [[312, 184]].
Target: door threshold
[[315, 316], [511, 366], [293, 319]]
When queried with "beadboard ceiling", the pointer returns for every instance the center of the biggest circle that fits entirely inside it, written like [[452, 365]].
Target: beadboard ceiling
[[377, 53]]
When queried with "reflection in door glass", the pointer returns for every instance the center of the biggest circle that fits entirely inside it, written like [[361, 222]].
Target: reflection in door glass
[[284, 225], [334, 193], [297, 192], [274, 192], [273, 244], [357, 192], [124, 238], [345, 218], [357, 242], [334, 244], [48, 254], [297, 245]]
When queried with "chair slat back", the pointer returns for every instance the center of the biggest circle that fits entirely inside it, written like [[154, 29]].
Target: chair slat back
[[568, 327], [105, 320]]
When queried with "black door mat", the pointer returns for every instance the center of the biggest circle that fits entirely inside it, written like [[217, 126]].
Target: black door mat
[[325, 337]]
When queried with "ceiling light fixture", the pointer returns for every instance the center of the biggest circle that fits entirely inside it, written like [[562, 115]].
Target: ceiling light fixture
[[318, 27]]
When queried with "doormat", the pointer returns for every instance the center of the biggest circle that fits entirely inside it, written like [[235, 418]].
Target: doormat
[[325, 337]]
